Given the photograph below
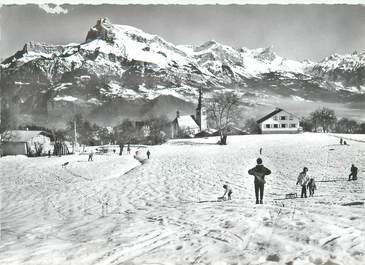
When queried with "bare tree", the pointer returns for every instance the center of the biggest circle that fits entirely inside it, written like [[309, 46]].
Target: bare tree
[[324, 117], [345, 125], [223, 110]]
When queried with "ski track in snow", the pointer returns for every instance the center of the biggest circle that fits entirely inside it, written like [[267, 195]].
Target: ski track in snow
[[165, 211]]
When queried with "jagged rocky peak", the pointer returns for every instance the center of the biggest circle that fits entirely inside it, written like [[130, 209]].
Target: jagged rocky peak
[[211, 45], [265, 54], [39, 47], [348, 62], [102, 30]]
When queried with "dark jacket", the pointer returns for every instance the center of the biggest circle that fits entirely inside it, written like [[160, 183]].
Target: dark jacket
[[259, 171], [353, 170]]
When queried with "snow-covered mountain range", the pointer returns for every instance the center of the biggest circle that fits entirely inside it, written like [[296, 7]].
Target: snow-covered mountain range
[[124, 72]]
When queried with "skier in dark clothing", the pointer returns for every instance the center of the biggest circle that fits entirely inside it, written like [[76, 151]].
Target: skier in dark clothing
[[148, 154], [259, 171], [261, 151], [353, 173], [340, 141]]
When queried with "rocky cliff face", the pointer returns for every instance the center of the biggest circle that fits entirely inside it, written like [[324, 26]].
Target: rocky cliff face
[[121, 71]]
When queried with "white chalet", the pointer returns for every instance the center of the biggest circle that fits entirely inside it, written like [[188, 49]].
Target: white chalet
[[279, 121]]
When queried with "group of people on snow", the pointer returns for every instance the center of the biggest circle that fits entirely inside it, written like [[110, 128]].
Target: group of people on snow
[[260, 171], [148, 153], [306, 183], [342, 142]]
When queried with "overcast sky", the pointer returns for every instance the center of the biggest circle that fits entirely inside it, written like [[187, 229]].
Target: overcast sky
[[295, 31], [184, 1]]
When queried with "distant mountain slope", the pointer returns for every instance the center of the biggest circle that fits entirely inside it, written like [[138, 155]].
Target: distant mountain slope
[[122, 71]]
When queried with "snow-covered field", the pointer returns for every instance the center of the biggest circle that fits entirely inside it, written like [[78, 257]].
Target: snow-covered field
[[165, 211]]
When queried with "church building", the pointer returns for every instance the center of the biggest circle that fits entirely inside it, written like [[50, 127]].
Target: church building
[[190, 125]]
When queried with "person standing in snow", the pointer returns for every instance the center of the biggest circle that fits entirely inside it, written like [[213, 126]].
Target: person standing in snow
[[129, 149], [302, 181], [259, 171], [353, 173], [91, 155], [121, 146], [148, 154], [340, 141], [260, 150]]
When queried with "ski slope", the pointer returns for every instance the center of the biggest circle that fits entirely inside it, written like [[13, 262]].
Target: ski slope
[[165, 210]]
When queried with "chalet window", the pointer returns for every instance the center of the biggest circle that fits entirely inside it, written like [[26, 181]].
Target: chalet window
[[291, 117], [275, 118], [283, 125], [276, 125], [282, 118], [267, 126], [293, 125]]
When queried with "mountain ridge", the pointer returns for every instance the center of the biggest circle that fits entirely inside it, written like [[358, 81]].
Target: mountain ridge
[[123, 62]]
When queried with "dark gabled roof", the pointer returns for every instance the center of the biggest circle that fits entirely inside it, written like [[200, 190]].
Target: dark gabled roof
[[268, 116]]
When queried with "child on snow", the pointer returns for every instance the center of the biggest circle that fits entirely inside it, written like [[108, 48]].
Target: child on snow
[[311, 187], [302, 181], [91, 156], [228, 191]]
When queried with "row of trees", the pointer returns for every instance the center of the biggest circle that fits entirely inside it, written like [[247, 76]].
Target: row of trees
[[151, 131], [325, 120]]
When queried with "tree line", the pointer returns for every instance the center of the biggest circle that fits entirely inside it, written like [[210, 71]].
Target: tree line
[[150, 131], [325, 120]]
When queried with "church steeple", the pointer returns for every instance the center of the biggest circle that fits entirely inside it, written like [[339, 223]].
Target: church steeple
[[201, 118], [200, 99]]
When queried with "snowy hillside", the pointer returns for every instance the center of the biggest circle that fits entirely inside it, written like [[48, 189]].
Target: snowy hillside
[[120, 62], [165, 211]]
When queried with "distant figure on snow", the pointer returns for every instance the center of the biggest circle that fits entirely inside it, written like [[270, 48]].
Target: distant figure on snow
[[259, 171], [148, 154], [49, 153], [311, 187], [302, 181], [344, 142], [260, 150], [121, 146], [353, 173], [228, 191], [341, 141], [129, 149], [91, 155]]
